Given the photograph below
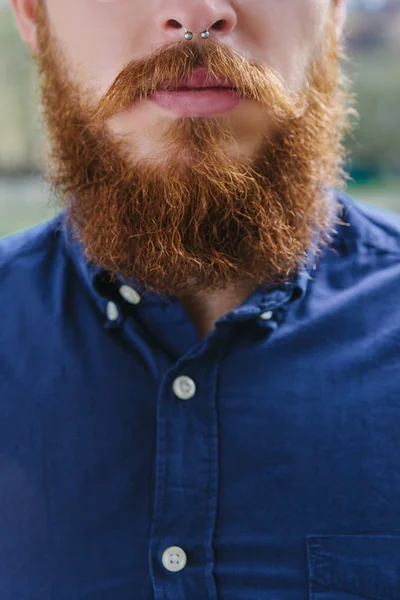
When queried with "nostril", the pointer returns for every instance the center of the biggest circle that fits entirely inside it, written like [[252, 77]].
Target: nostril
[[174, 24], [219, 25]]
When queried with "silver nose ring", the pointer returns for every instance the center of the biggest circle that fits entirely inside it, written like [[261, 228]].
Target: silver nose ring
[[204, 34]]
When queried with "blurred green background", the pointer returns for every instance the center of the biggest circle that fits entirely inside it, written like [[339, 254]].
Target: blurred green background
[[373, 39]]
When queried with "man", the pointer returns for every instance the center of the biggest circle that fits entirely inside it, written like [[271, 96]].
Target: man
[[199, 363]]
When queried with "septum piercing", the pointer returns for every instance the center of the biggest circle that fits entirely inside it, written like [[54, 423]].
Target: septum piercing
[[204, 34]]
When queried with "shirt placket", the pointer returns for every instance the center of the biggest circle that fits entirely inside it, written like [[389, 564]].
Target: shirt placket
[[186, 477]]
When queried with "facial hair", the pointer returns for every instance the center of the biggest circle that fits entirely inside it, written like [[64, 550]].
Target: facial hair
[[201, 220]]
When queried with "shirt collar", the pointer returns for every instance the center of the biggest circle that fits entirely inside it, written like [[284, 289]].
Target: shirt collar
[[104, 290]]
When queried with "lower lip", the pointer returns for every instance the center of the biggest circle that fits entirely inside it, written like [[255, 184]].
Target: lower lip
[[197, 103]]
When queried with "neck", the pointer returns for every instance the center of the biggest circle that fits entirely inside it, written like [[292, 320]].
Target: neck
[[205, 308]]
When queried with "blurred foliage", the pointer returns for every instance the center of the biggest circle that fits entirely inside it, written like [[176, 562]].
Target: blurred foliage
[[375, 145], [21, 135]]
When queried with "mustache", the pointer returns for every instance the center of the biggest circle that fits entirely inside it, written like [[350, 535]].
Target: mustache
[[142, 78]]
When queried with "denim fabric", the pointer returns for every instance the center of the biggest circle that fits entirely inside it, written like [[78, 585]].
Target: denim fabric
[[279, 478]]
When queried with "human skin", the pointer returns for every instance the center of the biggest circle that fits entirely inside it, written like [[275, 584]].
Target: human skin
[[98, 38]]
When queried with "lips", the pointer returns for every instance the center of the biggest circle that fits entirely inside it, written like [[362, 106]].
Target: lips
[[200, 95], [200, 79], [204, 102]]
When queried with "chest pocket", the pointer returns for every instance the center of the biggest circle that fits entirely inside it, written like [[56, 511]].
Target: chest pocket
[[354, 567]]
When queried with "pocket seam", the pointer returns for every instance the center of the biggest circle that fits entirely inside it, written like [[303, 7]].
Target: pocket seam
[[319, 552]]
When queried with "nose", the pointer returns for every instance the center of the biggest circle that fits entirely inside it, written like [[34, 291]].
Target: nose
[[177, 15]]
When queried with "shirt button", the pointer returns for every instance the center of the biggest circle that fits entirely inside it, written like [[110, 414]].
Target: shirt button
[[112, 311], [184, 387], [266, 316], [174, 558], [129, 294]]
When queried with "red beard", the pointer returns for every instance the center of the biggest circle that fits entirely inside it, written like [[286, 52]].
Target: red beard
[[201, 219]]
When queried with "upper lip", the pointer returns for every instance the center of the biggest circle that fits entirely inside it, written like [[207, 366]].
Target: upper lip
[[200, 78]]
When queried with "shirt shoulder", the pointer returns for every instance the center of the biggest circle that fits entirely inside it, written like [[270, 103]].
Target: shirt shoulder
[[29, 247], [31, 264], [370, 226], [357, 278]]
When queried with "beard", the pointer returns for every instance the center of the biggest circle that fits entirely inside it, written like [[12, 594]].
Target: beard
[[198, 219]]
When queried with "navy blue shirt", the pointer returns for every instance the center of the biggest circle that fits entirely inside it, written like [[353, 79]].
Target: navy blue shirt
[[138, 462]]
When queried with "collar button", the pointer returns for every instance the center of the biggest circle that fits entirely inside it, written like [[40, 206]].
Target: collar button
[[129, 294], [112, 311], [267, 316]]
